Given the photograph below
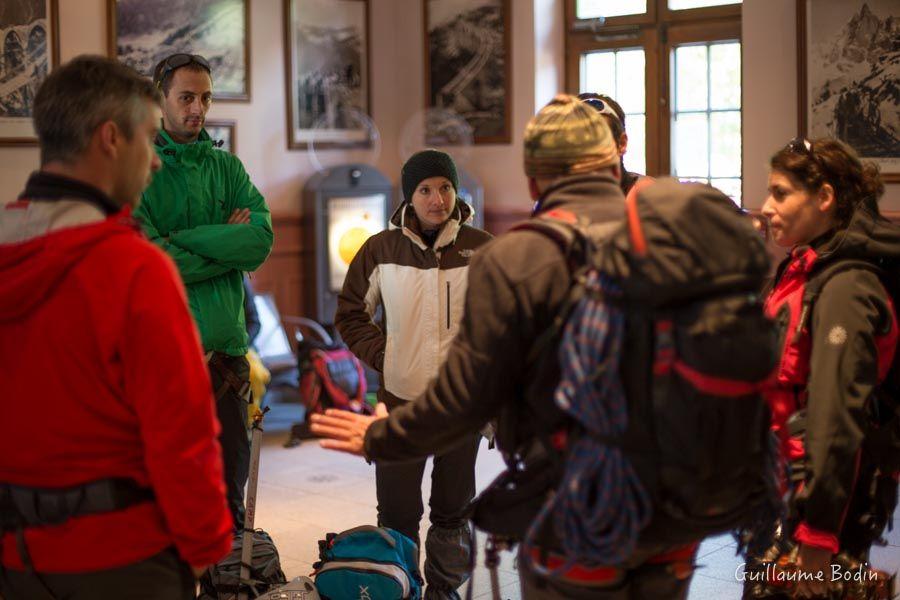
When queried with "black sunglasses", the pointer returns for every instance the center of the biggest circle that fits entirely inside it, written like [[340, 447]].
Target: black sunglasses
[[176, 61], [800, 145], [602, 107]]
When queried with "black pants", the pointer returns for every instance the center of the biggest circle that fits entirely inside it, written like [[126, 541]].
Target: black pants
[[400, 507], [162, 576], [231, 408]]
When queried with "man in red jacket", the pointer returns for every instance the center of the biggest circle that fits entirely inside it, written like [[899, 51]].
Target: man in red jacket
[[110, 472]]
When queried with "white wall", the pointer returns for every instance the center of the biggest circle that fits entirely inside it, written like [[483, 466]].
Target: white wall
[[770, 93], [397, 92]]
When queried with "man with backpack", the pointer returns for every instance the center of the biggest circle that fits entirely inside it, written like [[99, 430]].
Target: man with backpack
[[508, 364]]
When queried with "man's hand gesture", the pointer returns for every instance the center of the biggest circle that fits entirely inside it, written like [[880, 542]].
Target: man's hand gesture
[[240, 216], [345, 431]]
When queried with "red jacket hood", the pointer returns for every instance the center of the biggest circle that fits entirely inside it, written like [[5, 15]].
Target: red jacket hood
[[30, 270]]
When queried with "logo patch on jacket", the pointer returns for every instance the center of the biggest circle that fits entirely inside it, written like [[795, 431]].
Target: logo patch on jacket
[[837, 336], [466, 252]]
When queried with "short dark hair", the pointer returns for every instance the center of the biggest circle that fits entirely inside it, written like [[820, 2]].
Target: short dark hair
[[163, 79], [617, 127], [828, 160], [81, 95]]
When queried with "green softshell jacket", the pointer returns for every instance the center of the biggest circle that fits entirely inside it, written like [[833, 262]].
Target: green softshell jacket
[[185, 212]]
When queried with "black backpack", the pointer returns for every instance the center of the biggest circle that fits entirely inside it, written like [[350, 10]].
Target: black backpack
[[694, 352], [220, 581]]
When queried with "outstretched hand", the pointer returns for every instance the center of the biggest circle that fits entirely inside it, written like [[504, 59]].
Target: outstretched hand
[[343, 430]]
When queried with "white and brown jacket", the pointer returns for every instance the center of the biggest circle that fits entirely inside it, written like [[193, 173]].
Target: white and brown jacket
[[421, 290]]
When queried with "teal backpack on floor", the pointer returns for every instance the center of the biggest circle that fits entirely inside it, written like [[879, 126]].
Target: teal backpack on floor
[[368, 563]]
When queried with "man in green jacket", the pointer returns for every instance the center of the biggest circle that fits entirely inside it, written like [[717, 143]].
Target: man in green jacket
[[203, 210]]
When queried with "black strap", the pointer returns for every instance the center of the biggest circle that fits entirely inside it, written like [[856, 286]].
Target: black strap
[[229, 379], [817, 280], [24, 507]]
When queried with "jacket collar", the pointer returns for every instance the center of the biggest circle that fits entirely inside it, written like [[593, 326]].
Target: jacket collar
[[50, 187], [404, 218], [172, 152], [597, 196]]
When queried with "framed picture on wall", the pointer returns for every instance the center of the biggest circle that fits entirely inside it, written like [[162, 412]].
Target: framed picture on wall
[[222, 133], [467, 66], [326, 46], [143, 32], [29, 33], [849, 66]]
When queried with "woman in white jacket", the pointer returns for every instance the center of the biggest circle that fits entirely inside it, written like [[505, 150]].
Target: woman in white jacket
[[416, 272]]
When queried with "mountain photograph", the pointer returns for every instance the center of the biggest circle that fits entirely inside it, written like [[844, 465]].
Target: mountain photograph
[[24, 61], [149, 30], [854, 81], [467, 64], [329, 96]]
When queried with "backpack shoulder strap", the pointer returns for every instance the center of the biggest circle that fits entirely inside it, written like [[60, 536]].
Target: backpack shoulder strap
[[561, 226], [635, 231], [820, 277]]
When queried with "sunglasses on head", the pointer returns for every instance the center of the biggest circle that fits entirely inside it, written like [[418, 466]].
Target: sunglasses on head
[[602, 107], [176, 61], [800, 145]]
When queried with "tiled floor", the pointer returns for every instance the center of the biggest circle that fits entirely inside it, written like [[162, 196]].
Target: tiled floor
[[306, 491]]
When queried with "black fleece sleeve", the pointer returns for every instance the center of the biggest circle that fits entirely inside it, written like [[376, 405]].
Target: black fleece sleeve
[[848, 317]]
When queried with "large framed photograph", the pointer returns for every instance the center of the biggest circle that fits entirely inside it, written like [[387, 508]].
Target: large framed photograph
[[221, 131], [143, 32], [29, 30], [849, 66], [467, 67], [327, 73]]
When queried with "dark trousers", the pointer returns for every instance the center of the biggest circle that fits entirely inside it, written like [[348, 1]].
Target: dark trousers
[[637, 580], [399, 490], [231, 408], [162, 576]]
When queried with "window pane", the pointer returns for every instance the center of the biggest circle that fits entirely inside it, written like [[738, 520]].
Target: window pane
[[725, 142], [591, 9], [731, 187], [691, 145], [598, 73], [725, 75], [681, 4], [620, 75], [690, 78], [636, 154], [630, 80]]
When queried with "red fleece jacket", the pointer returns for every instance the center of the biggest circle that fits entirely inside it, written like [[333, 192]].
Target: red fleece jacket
[[104, 377]]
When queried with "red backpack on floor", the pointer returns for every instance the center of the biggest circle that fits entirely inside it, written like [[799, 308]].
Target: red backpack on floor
[[330, 377], [333, 378]]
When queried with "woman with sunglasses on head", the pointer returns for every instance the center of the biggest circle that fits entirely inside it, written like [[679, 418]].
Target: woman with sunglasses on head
[[839, 333]]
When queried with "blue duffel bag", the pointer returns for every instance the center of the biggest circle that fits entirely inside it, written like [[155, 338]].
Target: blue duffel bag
[[368, 562]]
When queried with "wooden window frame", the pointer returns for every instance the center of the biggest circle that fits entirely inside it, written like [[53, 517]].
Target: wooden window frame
[[657, 31]]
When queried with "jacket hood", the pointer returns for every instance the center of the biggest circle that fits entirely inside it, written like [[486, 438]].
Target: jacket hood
[[405, 218], [868, 237], [30, 270]]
